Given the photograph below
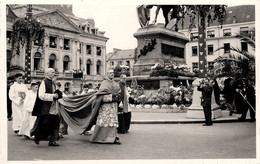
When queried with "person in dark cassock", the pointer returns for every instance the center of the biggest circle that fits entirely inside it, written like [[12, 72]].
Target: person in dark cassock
[[99, 108], [46, 126], [124, 113]]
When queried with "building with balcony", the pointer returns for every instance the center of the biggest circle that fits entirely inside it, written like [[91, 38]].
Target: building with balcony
[[238, 19], [73, 46]]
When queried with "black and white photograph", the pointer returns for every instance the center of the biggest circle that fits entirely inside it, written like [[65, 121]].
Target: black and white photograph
[[112, 81]]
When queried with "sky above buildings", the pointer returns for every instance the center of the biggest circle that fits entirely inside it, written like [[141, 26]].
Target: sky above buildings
[[118, 18], [119, 21]]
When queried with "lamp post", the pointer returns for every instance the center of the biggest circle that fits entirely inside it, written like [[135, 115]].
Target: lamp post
[[28, 47]]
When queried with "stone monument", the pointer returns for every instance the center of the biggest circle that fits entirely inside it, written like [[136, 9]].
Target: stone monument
[[155, 42]]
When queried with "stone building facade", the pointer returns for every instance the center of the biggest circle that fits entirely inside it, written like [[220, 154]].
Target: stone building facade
[[73, 46], [238, 19]]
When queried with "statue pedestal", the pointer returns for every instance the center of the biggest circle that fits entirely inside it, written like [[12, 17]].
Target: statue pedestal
[[196, 110], [156, 43]]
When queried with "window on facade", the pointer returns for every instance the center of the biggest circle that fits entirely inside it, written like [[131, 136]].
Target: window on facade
[[195, 66], [80, 63], [244, 30], [53, 43], [8, 36], [227, 48], [244, 46], [210, 65], [120, 62], [111, 63], [98, 67], [194, 51], [84, 27], [52, 61], [128, 63], [37, 61], [227, 32], [94, 31], [194, 36], [211, 34], [99, 51], [66, 44], [88, 28], [66, 61], [210, 49], [88, 66], [88, 49]]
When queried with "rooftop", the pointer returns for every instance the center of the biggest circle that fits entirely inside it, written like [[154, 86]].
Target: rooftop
[[123, 54], [241, 14]]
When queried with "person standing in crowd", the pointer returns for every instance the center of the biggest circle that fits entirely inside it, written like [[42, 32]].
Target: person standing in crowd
[[97, 87], [63, 125], [249, 100], [105, 130], [206, 87], [46, 126], [124, 113], [238, 99], [85, 89], [217, 91], [9, 101], [28, 119], [17, 95], [90, 86], [229, 95]]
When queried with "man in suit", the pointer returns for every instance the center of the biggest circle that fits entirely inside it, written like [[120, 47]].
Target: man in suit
[[206, 87]]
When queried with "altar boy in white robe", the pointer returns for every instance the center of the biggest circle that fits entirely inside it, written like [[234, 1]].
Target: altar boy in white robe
[[17, 94], [28, 119]]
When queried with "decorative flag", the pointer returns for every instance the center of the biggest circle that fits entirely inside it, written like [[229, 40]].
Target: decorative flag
[[202, 52]]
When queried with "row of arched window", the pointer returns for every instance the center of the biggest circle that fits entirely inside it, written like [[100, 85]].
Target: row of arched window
[[53, 63]]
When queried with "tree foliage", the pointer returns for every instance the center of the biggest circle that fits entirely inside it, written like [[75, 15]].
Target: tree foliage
[[242, 64]]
